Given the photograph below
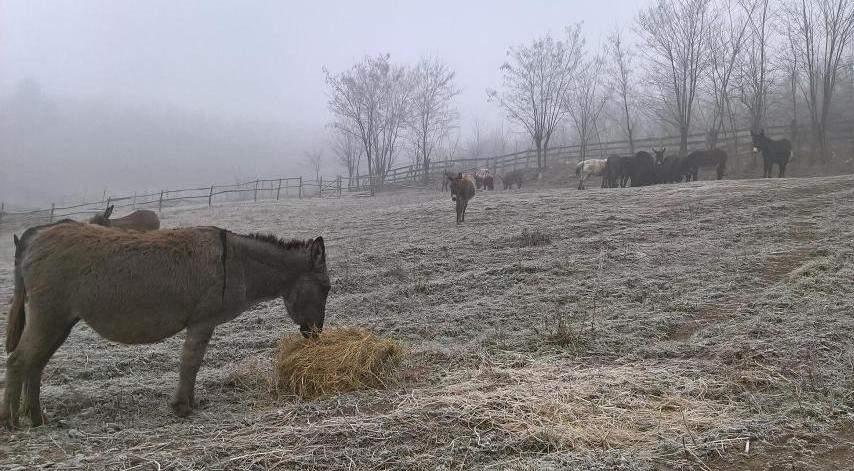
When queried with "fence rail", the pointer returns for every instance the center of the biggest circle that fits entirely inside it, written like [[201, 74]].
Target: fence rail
[[255, 190]]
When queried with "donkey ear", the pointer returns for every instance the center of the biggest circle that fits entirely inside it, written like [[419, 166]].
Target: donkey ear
[[108, 212], [318, 252], [664, 149], [16, 239]]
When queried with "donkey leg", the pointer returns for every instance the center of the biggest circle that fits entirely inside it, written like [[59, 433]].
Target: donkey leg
[[783, 169], [32, 387], [195, 345]]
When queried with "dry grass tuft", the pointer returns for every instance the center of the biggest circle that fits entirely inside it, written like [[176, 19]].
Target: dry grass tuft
[[533, 238], [337, 361]]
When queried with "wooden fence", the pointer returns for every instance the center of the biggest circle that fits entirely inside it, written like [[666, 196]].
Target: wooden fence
[[738, 144], [256, 190]]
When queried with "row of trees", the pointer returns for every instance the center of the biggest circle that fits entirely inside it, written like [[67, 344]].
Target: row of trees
[[377, 103], [724, 64]]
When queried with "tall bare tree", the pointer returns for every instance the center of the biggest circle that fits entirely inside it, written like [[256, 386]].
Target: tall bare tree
[[622, 83], [372, 101], [821, 36], [433, 115], [536, 80], [726, 43], [585, 102], [675, 35], [754, 78], [314, 159], [349, 152]]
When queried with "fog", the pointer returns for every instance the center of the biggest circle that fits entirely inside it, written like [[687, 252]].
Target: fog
[[117, 96]]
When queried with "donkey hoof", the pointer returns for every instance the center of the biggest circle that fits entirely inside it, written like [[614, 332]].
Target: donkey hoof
[[181, 408]]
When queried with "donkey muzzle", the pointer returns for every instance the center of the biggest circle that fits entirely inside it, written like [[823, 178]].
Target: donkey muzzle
[[310, 331]]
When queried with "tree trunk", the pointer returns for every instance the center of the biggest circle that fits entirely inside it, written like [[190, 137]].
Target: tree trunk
[[426, 171], [683, 140], [539, 145]]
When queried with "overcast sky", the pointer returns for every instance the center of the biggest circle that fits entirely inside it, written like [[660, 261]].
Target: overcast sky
[[263, 59]]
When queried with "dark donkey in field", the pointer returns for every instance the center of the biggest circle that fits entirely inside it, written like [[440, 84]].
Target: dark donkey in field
[[143, 287], [704, 159], [139, 220], [462, 190], [773, 152]]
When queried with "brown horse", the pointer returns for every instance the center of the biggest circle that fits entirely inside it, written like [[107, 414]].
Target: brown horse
[[143, 287], [462, 190], [139, 220]]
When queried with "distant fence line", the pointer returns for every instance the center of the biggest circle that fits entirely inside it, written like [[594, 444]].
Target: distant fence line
[[737, 142], [255, 190]]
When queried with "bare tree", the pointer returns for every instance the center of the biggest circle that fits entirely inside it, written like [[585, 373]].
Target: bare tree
[[622, 83], [349, 151], [536, 80], [754, 79], [726, 42], [372, 101], [474, 146], [314, 159], [821, 34], [432, 113], [585, 102], [675, 34]]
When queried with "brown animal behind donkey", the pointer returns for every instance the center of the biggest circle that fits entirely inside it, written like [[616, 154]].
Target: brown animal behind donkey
[[139, 220], [135, 288], [462, 190]]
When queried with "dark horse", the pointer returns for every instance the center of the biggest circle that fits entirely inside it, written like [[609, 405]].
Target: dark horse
[[643, 169], [773, 152], [614, 171], [668, 169], [703, 159]]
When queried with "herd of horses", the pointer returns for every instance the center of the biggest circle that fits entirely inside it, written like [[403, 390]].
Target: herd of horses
[[641, 169], [136, 284], [644, 169]]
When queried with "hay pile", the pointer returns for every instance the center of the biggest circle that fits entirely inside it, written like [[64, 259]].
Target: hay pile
[[339, 360]]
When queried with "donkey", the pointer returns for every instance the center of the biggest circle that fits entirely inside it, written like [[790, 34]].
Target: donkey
[[773, 152], [489, 183], [703, 159], [462, 190], [614, 171], [590, 168], [511, 178], [668, 169], [143, 287], [643, 169], [139, 220]]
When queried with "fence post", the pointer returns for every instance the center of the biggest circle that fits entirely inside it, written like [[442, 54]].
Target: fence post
[[300, 187], [134, 200], [279, 189], [320, 187], [160, 205], [339, 186], [210, 197], [52, 208], [255, 195]]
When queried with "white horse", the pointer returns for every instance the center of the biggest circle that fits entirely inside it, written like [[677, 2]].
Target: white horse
[[590, 168]]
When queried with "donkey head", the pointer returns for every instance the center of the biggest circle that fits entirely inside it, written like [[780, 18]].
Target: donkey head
[[455, 182], [305, 299], [659, 154], [103, 219], [759, 140]]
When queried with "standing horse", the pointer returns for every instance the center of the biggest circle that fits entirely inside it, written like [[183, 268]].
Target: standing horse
[[773, 152], [462, 190], [511, 178], [614, 171], [139, 220], [143, 287], [643, 169], [590, 168], [712, 158]]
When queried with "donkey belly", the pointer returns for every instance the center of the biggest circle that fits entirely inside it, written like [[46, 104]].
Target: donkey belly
[[136, 326]]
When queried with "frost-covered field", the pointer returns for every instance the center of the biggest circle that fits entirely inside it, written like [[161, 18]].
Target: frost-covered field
[[654, 328]]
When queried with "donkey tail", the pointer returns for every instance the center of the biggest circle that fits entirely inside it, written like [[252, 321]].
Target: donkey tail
[[17, 318]]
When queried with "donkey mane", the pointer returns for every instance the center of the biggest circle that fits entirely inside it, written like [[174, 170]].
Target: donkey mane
[[285, 244]]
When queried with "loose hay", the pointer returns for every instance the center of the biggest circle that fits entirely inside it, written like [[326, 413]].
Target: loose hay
[[339, 360]]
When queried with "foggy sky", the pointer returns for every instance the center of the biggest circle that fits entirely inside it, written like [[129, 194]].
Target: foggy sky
[[262, 60]]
